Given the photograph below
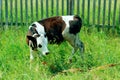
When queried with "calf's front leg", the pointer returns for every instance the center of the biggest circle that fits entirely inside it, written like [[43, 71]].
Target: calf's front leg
[[31, 54]]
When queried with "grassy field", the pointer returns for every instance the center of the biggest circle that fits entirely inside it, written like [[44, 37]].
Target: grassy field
[[101, 58]]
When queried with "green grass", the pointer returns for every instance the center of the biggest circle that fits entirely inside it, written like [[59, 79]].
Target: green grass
[[101, 48]]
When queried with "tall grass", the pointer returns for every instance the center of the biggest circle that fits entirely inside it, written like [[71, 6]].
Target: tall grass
[[101, 48]]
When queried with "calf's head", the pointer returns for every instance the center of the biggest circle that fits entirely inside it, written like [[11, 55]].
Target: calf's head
[[38, 42]]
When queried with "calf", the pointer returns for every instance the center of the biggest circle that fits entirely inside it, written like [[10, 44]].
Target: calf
[[54, 30]]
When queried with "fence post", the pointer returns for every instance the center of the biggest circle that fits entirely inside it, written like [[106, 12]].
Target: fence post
[[26, 13], [104, 8], [0, 12], [6, 13], [67, 7], [83, 7], [71, 4], [78, 7], [88, 13], [16, 13], [46, 8], [21, 10], [31, 3], [62, 7], [114, 13], [119, 16], [99, 6], [57, 7], [109, 11], [52, 8], [11, 12], [94, 4], [41, 9], [37, 10]]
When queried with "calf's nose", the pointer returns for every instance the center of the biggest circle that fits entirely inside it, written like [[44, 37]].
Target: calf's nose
[[46, 53]]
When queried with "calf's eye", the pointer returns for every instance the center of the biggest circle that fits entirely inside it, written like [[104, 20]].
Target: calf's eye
[[39, 45], [45, 35]]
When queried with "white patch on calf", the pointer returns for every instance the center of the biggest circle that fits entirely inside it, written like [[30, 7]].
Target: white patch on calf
[[41, 40], [40, 29], [67, 19], [72, 38], [69, 37]]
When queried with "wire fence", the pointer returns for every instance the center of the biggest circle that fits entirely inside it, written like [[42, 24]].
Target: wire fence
[[92, 12]]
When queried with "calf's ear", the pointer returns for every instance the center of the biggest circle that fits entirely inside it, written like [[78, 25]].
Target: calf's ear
[[31, 38]]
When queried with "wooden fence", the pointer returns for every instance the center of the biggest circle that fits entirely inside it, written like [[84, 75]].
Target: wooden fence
[[93, 12]]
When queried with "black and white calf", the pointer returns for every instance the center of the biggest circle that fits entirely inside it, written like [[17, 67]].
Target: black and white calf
[[55, 30]]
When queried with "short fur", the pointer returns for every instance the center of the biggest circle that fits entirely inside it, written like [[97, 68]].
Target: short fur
[[53, 28], [56, 30]]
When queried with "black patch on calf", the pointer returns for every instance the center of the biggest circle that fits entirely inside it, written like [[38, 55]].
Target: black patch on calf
[[53, 27], [75, 25], [30, 36], [54, 37], [33, 45]]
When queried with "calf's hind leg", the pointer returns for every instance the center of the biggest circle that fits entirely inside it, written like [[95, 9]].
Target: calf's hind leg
[[80, 45], [76, 44]]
